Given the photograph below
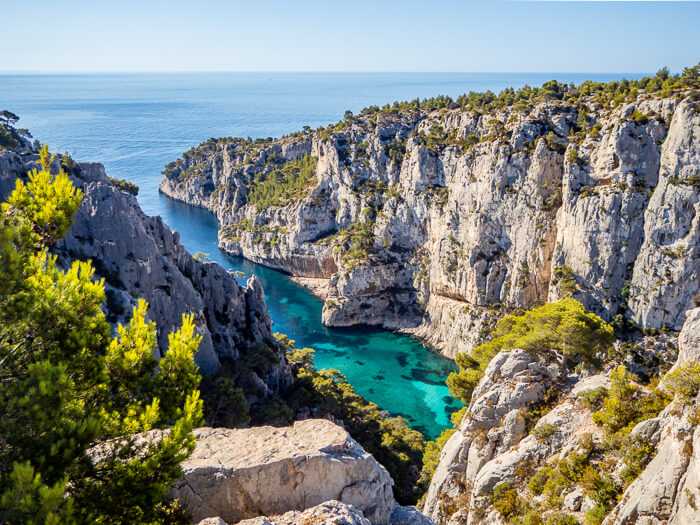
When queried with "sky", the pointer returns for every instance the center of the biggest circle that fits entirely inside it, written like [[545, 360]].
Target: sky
[[357, 35]]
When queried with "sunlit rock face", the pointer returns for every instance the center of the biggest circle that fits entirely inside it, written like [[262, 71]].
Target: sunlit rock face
[[313, 470], [491, 447], [140, 257], [436, 223]]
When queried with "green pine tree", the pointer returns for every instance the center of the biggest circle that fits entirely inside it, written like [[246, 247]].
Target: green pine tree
[[73, 400]]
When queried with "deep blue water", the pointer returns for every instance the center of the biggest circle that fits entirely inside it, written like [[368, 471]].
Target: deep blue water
[[136, 123]]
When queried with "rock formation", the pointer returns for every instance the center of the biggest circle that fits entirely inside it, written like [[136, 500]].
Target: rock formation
[[331, 512], [140, 257], [668, 490], [436, 222], [491, 446], [311, 469]]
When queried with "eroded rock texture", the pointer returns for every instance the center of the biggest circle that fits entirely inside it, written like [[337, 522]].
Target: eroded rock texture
[[140, 257], [290, 473], [491, 446], [438, 222]]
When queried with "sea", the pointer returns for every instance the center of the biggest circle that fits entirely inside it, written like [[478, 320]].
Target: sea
[[135, 123]]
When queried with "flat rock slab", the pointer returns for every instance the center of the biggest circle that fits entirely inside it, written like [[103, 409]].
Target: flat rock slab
[[267, 471]]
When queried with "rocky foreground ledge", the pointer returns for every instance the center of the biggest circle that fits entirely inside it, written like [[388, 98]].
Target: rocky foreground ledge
[[313, 472]]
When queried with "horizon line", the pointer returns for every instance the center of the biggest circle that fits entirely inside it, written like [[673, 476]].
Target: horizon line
[[278, 71]]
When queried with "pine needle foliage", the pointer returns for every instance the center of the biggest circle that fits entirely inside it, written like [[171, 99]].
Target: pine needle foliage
[[72, 398]]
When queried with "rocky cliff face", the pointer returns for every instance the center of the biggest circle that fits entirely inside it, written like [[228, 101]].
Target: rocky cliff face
[[140, 257], [436, 222], [492, 448]]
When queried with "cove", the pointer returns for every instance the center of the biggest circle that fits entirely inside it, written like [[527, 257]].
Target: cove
[[136, 123], [394, 371]]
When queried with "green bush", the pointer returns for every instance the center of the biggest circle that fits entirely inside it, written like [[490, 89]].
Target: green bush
[[638, 454], [593, 397], [505, 500], [562, 329], [560, 518], [543, 431], [124, 185], [224, 400], [283, 186], [596, 515], [627, 405], [68, 386], [684, 381], [539, 479]]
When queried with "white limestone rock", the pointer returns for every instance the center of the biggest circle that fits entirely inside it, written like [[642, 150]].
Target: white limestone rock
[[327, 513], [265, 471], [460, 232]]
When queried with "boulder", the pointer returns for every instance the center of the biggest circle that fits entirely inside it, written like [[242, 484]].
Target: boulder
[[572, 501], [329, 512], [266, 471]]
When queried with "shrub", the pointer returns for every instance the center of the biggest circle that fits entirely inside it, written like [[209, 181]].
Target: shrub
[[224, 400], [639, 118], [627, 405], [543, 431], [539, 480], [532, 517], [283, 186], [564, 276], [560, 518], [562, 329], [684, 381], [593, 397], [505, 500], [68, 386], [638, 454], [124, 185], [596, 515]]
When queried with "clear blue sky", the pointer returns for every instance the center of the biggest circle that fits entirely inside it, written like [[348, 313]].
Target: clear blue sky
[[331, 35]]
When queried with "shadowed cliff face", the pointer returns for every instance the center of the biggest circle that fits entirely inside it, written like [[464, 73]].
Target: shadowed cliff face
[[140, 257], [437, 222]]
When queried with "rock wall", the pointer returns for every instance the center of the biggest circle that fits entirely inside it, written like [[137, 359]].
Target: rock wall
[[140, 257], [437, 223], [491, 446]]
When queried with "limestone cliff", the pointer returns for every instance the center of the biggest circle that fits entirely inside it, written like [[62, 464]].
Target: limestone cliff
[[438, 221], [140, 257], [564, 463]]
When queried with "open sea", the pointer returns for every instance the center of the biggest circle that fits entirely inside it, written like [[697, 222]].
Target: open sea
[[136, 123]]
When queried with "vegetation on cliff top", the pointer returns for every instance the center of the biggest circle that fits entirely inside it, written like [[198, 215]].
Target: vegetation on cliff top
[[10, 136], [72, 398], [599, 94], [283, 185], [562, 329]]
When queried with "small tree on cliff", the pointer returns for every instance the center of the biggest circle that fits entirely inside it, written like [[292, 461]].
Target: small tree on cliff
[[9, 117], [71, 398], [563, 329]]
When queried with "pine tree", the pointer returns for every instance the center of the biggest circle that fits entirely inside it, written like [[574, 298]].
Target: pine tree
[[77, 406]]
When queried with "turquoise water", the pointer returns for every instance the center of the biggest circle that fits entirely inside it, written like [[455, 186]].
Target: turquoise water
[[136, 123]]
